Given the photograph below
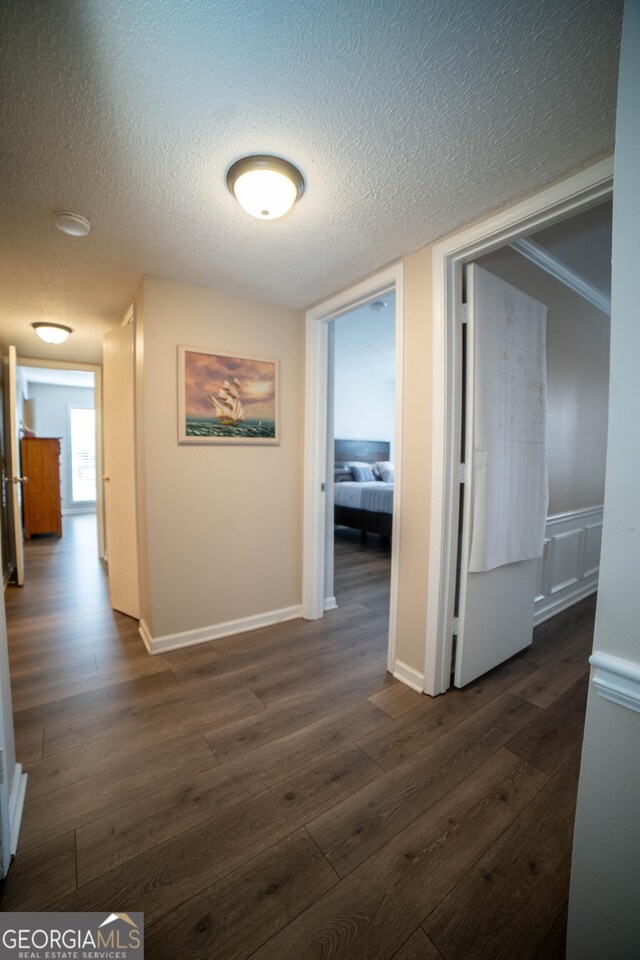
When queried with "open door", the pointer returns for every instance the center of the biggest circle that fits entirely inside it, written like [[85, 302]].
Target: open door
[[119, 467], [13, 480], [13, 782], [505, 498]]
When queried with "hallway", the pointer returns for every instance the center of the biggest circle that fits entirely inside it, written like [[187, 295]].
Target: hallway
[[277, 794]]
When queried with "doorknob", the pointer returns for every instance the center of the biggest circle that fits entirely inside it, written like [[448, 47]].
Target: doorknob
[[105, 478], [21, 479]]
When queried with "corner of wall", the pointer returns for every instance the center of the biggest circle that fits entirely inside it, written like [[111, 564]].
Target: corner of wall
[[415, 521], [141, 503]]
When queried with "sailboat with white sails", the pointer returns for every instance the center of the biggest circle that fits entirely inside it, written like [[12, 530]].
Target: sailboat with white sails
[[228, 405]]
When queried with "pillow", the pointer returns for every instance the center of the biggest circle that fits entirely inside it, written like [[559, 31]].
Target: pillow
[[386, 471], [362, 472], [341, 473]]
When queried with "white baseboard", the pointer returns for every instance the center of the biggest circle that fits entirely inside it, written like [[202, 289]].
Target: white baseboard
[[616, 679], [188, 638], [330, 603], [406, 674], [568, 598], [16, 805], [568, 569], [145, 633]]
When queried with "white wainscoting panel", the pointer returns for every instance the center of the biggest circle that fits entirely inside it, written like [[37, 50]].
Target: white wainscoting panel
[[568, 568]]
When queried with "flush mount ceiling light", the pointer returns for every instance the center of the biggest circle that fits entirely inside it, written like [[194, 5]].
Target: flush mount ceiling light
[[266, 187], [72, 223], [52, 332]]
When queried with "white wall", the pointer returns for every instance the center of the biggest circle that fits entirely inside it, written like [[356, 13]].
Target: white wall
[[577, 383], [604, 920], [22, 394], [220, 525], [51, 419], [364, 374]]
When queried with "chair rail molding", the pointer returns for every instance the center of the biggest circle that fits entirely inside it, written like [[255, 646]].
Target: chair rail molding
[[616, 679]]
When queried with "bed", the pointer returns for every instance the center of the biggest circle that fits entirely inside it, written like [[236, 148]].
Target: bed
[[365, 505]]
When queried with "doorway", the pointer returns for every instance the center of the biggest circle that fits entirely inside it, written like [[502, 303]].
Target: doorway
[[360, 436], [63, 400], [386, 286], [60, 404], [571, 197]]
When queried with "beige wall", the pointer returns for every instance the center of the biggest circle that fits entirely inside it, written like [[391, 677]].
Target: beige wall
[[222, 532], [578, 382], [416, 465]]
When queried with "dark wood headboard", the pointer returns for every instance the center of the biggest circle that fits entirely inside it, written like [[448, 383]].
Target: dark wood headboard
[[366, 451]]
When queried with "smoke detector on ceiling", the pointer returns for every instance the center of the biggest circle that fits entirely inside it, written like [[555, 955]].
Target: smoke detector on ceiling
[[72, 223]]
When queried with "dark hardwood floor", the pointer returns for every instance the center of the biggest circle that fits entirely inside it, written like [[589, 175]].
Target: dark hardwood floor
[[277, 795]]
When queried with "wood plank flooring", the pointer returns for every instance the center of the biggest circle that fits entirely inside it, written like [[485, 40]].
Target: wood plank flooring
[[277, 794]]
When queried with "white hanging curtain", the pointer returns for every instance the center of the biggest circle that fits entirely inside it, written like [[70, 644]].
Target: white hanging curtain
[[510, 458]]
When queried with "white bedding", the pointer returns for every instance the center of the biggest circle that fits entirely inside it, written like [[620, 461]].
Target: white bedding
[[375, 496]]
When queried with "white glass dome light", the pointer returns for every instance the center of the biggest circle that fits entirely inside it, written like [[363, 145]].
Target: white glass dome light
[[52, 332], [72, 224], [265, 187]]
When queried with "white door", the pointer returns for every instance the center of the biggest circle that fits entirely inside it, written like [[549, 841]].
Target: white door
[[505, 498], [119, 471], [13, 478], [7, 750]]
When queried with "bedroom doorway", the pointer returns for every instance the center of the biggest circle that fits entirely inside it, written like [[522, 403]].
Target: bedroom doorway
[[569, 198], [360, 434], [382, 531]]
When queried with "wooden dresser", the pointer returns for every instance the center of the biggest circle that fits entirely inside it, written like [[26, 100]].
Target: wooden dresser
[[42, 508]]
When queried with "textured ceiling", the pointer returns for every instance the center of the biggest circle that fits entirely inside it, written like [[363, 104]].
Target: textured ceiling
[[408, 119]]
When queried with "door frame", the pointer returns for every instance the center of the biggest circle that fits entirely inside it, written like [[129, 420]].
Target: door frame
[[550, 205], [317, 321], [96, 370], [12, 455]]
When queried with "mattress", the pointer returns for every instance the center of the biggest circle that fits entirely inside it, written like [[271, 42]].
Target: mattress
[[375, 496]]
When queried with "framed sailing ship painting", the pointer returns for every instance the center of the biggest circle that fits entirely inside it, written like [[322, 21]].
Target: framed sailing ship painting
[[226, 398]]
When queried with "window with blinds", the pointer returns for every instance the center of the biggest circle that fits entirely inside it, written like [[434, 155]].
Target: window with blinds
[[83, 454]]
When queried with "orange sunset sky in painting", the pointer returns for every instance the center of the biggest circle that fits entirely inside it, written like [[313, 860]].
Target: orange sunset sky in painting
[[204, 373]]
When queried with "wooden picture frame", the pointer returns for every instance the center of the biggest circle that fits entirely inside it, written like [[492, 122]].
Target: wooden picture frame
[[227, 398]]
